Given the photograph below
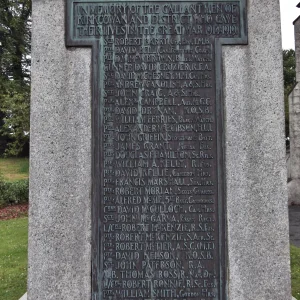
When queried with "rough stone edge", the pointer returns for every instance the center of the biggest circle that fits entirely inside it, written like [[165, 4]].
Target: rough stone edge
[[257, 213], [271, 8], [60, 161]]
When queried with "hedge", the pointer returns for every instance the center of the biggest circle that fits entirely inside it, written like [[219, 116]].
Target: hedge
[[16, 192]]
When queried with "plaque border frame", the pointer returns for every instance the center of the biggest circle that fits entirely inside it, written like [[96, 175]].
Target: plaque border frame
[[96, 137]]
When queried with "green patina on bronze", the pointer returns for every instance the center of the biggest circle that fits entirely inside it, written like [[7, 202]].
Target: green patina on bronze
[[157, 128]]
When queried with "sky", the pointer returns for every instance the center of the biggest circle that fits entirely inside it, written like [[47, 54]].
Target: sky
[[289, 12]]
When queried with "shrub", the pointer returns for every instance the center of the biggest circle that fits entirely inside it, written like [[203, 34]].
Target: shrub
[[15, 192]]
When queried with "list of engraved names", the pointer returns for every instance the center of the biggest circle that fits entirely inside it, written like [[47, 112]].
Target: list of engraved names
[[159, 194]]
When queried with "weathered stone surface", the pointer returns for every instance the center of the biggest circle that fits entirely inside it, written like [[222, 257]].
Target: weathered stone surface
[[60, 183], [255, 161], [257, 223], [294, 134]]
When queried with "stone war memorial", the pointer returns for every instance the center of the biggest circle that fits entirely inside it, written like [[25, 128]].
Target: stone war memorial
[[157, 151]]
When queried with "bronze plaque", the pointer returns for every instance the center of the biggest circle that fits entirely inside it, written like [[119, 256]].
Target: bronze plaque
[[158, 175]]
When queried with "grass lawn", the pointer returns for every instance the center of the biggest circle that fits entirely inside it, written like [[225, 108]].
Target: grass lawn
[[14, 168], [13, 243], [295, 266], [13, 258]]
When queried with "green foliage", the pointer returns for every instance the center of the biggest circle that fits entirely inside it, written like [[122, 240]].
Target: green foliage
[[15, 192], [15, 37], [15, 25], [15, 106], [289, 69], [289, 77], [13, 258], [295, 268]]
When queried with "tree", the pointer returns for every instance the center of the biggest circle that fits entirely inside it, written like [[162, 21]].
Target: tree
[[15, 34], [289, 77]]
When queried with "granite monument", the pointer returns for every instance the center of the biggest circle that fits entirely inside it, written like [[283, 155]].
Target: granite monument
[[157, 151]]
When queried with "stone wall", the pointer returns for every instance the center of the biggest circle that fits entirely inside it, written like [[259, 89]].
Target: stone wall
[[294, 115]]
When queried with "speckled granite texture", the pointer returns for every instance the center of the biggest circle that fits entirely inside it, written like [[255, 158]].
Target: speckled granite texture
[[60, 172], [258, 241], [60, 180]]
